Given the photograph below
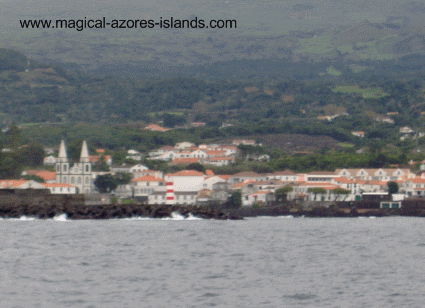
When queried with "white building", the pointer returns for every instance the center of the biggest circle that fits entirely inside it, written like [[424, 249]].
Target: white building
[[80, 174], [60, 188], [186, 180]]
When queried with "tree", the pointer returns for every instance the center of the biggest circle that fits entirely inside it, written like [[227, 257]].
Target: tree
[[33, 177], [31, 155], [281, 193], [392, 187], [101, 165], [10, 167], [13, 137], [105, 183], [196, 166], [316, 191], [123, 178], [235, 200], [341, 191]]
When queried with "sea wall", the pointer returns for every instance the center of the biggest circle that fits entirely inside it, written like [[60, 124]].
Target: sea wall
[[107, 211]]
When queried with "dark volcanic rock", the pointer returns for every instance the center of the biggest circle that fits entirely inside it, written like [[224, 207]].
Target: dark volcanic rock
[[108, 211]]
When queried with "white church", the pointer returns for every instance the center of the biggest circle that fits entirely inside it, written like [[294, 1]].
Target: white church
[[80, 174]]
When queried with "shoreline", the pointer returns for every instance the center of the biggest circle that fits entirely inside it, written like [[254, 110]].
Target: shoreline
[[111, 211], [116, 211]]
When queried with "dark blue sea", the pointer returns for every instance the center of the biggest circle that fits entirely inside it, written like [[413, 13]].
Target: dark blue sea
[[259, 262]]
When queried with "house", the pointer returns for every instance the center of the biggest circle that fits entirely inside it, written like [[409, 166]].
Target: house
[[183, 145], [384, 119], [46, 175], [134, 155], [138, 168], [197, 124], [186, 180], [246, 175], [406, 130], [287, 176], [49, 160], [220, 191], [145, 185], [198, 154], [121, 168], [185, 161], [167, 156], [320, 176], [244, 142], [182, 197], [94, 159], [155, 173], [359, 134], [415, 187], [204, 197], [60, 188], [375, 174], [220, 161], [49, 151], [162, 150], [263, 197], [156, 128], [20, 184]]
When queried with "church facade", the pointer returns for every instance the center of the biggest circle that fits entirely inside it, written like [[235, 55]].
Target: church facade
[[79, 174]]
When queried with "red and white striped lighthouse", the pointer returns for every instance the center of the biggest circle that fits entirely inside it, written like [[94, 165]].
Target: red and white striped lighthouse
[[169, 195]]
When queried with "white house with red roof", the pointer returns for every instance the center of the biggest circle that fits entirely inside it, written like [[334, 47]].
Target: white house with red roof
[[145, 185], [46, 175], [156, 128], [20, 184], [186, 180], [286, 175], [246, 175], [220, 161], [262, 197]]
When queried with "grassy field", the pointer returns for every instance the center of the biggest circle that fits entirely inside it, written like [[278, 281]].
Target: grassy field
[[366, 93]]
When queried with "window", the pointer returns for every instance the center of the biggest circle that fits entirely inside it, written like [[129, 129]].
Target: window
[[72, 180], [79, 180], [64, 180], [87, 168], [64, 168], [87, 180], [58, 168]]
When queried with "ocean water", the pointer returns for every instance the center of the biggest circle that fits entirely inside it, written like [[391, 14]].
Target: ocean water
[[259, 262]]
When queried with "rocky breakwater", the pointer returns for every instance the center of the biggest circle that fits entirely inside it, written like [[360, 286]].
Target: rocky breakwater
[[110, 211]]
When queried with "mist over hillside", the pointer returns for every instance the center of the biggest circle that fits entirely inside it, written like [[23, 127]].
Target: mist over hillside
[[309, 39]]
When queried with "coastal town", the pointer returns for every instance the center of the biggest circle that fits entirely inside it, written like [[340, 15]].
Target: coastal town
[[201, 186]]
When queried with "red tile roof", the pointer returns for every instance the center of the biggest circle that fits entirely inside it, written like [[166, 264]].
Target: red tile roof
[[185, 160], [187, 173], [56, 185], [156, 128], [12, 183], [148, 178], [44, 174], [209, 172]]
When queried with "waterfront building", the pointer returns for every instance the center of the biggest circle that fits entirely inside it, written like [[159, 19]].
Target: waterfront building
[[80, 174]]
